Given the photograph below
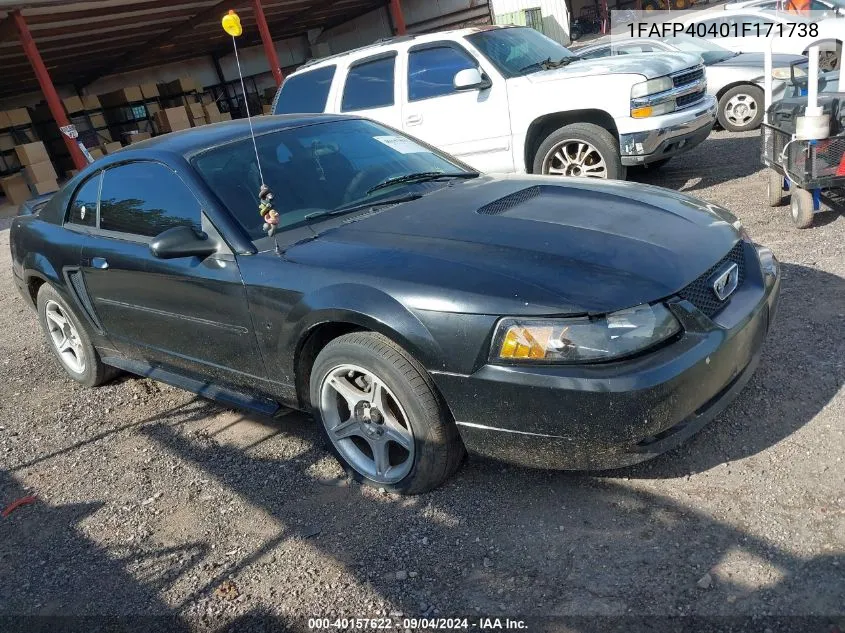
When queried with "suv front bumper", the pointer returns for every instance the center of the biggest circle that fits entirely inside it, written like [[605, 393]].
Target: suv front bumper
[[643, 141]]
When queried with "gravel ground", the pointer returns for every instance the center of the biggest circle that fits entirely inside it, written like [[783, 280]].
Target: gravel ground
[[153, 502]]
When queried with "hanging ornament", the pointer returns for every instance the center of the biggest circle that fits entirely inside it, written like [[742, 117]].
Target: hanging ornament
[[232, 24]]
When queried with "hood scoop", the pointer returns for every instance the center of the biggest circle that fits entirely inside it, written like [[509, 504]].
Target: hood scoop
[[510, 201]]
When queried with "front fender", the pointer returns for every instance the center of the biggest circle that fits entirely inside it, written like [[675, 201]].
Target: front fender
[[365, 307]]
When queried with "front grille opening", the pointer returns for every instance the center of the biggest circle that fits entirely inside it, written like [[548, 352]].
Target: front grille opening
[[687, 100], [700, 292], [684, 78]]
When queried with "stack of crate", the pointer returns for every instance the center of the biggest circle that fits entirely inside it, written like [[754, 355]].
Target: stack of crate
[[38, 170]]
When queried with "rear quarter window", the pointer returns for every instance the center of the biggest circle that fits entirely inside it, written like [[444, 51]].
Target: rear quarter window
[[307, 92]]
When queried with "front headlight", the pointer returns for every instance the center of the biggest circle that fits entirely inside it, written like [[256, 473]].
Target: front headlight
[[583, 340], [652, 86], [785, 72]]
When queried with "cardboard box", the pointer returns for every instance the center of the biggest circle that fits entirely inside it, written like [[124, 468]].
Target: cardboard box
[[91, 102], [211, 113], [177, 87], [152, 108], [73, 105], [40, 188], [15, 189], [6, 142], [4, 120], [111, 148], [39, 172], [172, 119], [266, 109], [137, 138], [32, 153], [96, 153], [149, 91], [225, 116], [121, 97], [18, 116], [198, 121], [97, 120]]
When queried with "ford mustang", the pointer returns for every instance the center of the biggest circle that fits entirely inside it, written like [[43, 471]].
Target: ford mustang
[[416, 307]]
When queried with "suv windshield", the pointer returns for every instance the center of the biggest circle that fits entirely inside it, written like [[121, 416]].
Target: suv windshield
[[519, 51], [316, 169]]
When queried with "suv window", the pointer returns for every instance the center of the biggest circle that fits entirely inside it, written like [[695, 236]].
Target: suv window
[[145, 199], [83, 209], [369, 85], [307, 92], [431, 71]]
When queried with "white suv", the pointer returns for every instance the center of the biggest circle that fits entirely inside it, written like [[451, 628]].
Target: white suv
[[509, 99]]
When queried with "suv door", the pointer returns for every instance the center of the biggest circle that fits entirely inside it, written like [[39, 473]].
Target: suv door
[[473, 125], [188, 313]]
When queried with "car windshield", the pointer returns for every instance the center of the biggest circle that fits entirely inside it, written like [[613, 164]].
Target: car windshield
[[708, 50], [519, 51], [314, 170]]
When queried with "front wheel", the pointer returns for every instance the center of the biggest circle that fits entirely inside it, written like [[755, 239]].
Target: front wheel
[[580, 149], [802, 208], [381, 415], [741, 108], [775, 189]]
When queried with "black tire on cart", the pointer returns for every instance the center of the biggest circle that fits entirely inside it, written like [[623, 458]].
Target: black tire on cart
[[801, 205], [775, 189]]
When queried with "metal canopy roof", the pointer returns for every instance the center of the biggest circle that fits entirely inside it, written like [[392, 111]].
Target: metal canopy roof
[[82, 41]]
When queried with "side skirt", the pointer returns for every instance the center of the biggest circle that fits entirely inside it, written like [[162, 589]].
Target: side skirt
[[221, 394]]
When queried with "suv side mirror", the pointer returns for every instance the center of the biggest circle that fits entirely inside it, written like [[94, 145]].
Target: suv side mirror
[[181, 241], [471, 79]]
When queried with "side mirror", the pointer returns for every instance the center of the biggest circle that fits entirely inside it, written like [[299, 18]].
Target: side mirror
[[470, 79], [181, 241]]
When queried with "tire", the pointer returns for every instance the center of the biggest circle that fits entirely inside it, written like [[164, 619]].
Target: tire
[[775, 189], [567, 142], [87, 369], [741, 108], [408, 420], [801, 206]]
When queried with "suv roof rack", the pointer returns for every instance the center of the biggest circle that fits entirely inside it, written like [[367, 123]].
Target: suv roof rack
[[384, 40]]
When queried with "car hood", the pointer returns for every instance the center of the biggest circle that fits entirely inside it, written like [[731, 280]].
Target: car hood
[[528, 245], [756, 60], [648, 65]]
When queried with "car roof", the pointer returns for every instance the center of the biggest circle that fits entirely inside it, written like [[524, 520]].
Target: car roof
[[190, 141]]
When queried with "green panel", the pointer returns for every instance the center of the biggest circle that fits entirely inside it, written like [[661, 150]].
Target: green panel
[[517, 18]]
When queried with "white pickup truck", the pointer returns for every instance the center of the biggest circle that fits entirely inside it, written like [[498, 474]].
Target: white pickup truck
[[510, 99]]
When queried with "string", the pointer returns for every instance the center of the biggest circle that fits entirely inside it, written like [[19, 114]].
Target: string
[[246, 105]]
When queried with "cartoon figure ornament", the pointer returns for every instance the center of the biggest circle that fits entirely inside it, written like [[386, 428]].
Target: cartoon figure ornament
[[265, 208]]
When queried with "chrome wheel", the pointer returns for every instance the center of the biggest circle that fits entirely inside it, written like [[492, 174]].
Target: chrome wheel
[[741, 109], [575, 158], [65, 338], [366, 424]]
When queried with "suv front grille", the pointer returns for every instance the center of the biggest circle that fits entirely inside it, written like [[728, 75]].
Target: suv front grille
[[700, 292], [687, 77], [687, 100]]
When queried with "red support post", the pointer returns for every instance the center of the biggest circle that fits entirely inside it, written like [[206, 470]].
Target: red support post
[[398, 17], [267, 40], [47, 87]]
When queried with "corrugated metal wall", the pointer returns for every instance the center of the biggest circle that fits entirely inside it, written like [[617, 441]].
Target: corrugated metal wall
[[425, 16], [555, 15]]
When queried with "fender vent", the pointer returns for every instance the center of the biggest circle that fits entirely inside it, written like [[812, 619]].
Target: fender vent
[[508, 202], [81, 293]]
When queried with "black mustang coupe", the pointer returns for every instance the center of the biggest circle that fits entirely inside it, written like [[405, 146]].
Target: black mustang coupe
[[413, 305]]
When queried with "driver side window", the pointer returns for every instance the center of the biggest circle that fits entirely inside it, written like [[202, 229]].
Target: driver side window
[[431, 71]]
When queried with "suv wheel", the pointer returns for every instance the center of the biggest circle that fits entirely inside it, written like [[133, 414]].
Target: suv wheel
[[741, 108], [69, 340], [580, 149], [381, 416]]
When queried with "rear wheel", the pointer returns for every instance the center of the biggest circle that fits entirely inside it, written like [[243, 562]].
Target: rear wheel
[[741, 108], [775, 189], [801, 206], [581, 150], [69, 341], [381, 415]]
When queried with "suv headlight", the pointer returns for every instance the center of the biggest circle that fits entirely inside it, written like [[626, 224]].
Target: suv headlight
[[651, 87], [583, 339]]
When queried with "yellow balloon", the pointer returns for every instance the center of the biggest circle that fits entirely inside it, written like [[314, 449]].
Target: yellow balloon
[[232, 24]]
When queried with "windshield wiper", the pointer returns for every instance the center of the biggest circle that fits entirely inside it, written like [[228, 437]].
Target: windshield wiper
[[541, 64], [548, 64], [364, 205], [422, 176]]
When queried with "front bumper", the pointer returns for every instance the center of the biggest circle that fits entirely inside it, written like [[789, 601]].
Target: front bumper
[[616, 414], [642, 141]]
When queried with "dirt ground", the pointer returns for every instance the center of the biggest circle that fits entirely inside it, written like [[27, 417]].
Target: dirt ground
[[154, 502]]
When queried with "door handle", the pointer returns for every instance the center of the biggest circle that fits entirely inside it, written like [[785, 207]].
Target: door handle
[[413, 119], [99, 262]]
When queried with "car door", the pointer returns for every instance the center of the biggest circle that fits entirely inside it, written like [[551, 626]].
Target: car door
[[369, 90], [187, 313], [473, 125]]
